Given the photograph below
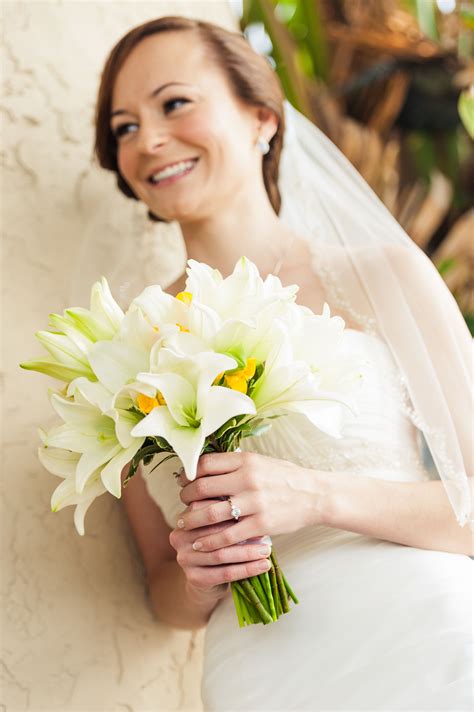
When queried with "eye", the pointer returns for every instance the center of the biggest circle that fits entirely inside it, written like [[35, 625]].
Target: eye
[[171, 102], [121, 130]]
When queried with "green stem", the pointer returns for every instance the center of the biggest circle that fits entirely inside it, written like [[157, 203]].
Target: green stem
[[252, 613], [249, 590], [281, 585], [260, 591], [247, 616], [238, 608], [289, 589], [275, 593], [268, 589]]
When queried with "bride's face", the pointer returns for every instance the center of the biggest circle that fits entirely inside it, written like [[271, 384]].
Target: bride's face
[[171, 104]]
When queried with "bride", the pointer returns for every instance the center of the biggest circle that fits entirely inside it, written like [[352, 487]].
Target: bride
[[194, 124]]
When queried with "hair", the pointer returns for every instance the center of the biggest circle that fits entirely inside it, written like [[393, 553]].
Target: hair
[[251, 77]]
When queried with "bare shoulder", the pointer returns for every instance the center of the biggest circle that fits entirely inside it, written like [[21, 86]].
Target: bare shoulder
[[177, 286]]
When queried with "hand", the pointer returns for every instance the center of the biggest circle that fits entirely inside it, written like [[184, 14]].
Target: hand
[[213, 572], [274, 496]]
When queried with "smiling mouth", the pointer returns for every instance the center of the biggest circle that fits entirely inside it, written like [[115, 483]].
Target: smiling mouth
[[169, 175]]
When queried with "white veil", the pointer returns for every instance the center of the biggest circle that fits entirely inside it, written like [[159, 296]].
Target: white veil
[[374, 272]]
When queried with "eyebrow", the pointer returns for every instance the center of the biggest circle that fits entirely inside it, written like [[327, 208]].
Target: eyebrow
[[154, 93]]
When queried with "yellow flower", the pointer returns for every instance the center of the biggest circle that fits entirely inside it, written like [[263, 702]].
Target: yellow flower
[[146, 403], [181, 327], [185, 297], [236, 382], [249, 371]]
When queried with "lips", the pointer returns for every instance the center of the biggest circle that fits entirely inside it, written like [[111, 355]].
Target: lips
[[169, 165]]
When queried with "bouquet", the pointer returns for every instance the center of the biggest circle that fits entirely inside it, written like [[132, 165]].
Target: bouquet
[[188, 375]]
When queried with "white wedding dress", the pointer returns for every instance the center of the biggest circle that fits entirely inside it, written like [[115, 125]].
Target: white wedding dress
[[379, 626]]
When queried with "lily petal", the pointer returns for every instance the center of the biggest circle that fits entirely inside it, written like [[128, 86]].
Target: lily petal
[[116, 363], [67, 437], [104, 305], [222, 404], [93, 459], [177, 392], [59, 462], [50, 367], [94, 392], [111, 473], [186, 442]]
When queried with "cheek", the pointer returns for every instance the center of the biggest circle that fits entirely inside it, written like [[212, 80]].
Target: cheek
[[126, 162]]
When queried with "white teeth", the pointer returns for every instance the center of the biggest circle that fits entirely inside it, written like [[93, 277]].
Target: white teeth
[[171, 171]]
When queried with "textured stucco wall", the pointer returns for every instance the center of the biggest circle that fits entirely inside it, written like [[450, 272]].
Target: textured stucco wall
[[77, 633]]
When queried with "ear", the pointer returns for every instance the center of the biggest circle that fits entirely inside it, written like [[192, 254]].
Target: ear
[[267, 123]]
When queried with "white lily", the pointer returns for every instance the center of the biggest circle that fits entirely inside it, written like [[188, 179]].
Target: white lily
[[287, 385], [319, 341], [194, 408], [103, 441], [170, 315], [241, 295], [63, 463], [118, 361], [67, 361], [102, 320], [160, 308], [76, 332], [93, 392]]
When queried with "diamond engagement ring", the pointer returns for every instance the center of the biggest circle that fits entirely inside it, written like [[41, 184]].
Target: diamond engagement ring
[[235, 511]]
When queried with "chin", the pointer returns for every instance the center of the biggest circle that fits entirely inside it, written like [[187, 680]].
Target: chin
[[181, 215]]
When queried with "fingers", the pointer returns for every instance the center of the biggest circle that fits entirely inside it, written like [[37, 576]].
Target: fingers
[[179, 538], [212, 487], [206, 577], [230, 555], [218, 463], [207, 570], [235, 533], [214, 513]]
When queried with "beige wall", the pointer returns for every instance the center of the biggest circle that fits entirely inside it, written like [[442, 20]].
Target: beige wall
[[77, 633]]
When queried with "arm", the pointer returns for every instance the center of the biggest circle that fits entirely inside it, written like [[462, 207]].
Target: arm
[[173, 601], [415, 514]]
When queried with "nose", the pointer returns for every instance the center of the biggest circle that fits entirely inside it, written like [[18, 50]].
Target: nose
[[151, 136]]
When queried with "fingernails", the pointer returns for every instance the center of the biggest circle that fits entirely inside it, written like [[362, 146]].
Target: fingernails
[[265, 550], [197, 545], [181, 523], [263, 565]]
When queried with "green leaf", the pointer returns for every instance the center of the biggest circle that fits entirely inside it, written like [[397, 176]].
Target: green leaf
[[165, 459], [445, 265], [161, 443], [259, 430], [229, 424], [466, 110], [469, 318]]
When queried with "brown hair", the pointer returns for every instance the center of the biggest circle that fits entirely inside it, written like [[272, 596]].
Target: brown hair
[[251, 77]]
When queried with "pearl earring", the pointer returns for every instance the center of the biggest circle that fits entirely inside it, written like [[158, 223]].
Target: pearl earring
[[263, 145]]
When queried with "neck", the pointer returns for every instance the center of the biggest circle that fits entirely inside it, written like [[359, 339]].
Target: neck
[[246, 225]]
